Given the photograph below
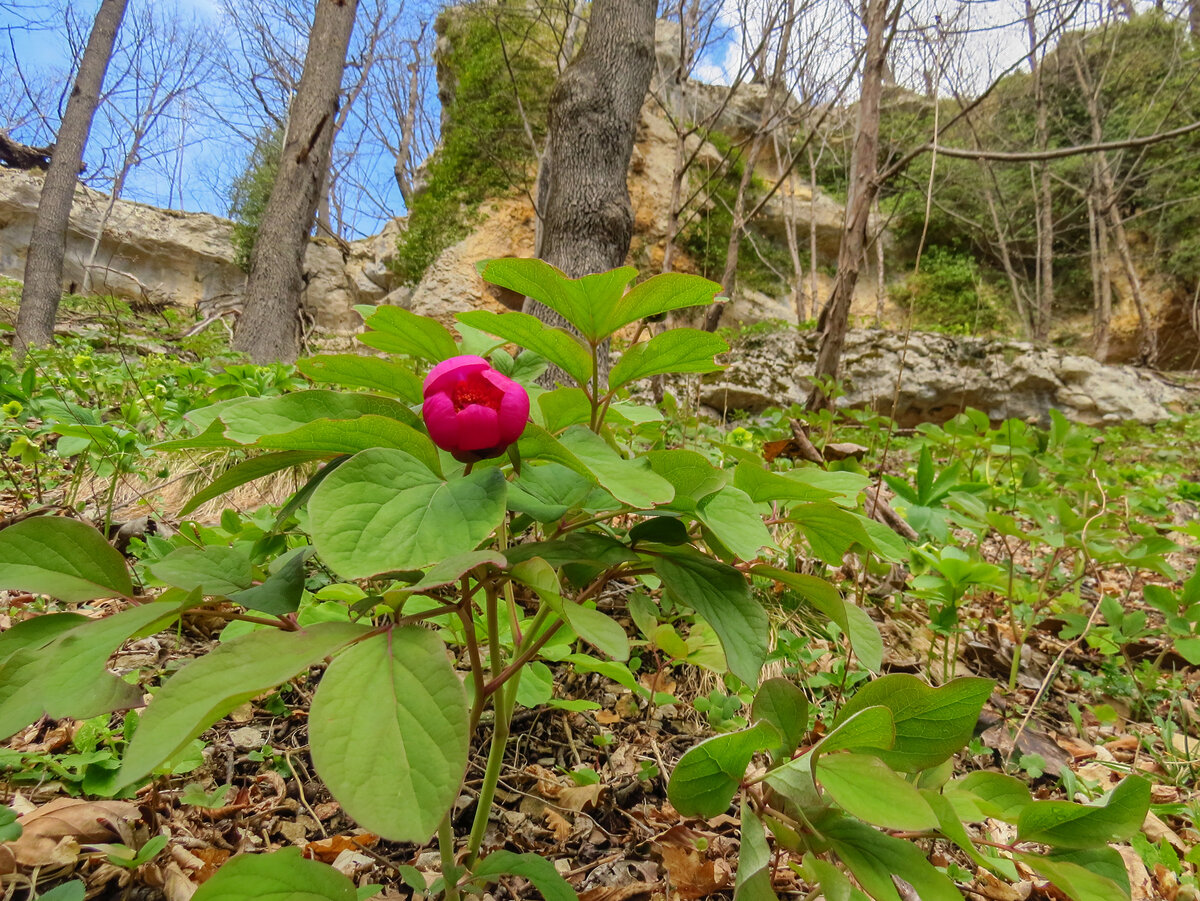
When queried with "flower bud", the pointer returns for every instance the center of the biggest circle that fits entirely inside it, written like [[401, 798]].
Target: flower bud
[[471, 410]]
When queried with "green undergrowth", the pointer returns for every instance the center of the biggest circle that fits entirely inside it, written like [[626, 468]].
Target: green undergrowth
[[665, 545]]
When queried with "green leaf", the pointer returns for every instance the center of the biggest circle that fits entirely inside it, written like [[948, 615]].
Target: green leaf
[[248, 471], [869, 789], [994, 794], [362, 371], [62, 558], [1080, 883], [731, 516], [281, 876], [753, 880], [782, 704], [834, 885], [661, 530], [660, 294], [10, 829], [213, 569], [206, 689], [832, 531], [707, 776], [282, 591], [692, 476], [859, 628], [349, 436], [952, 828], [547, 492], [559, 347], [68, 891], [384, 511], [68, 676], [537, 869], [247, 422], [450, 570], [596, 628], [577, 547], [389, 733], [1114, 817], [536, 443], [764, 486], [399, 331], [868, 729], [675, 350], [586, 302], [37, 632], [564, 407], [874, 857], [931, 723], [721, 595], [630, 481]]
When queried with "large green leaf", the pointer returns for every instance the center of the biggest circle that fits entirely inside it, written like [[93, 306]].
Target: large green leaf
[[547, 492], [559, 347], [209, 687], [675, 350], [832, 531], [247, 422], [384, 511], [349, 436], [535, 868], [874, 858], [281, 592], [692, 476], [37, 632], [389, 733], [213, 569], [868, 729], [721, 595], [280, 876], [67, 676], [1114, 817], [1078, 882], [362, 371], [853, 621], [753, 880], [62, 558], [707, 776], [782, 704], [834, 884], [564, 407], [586, 302], [248, 471], [660, 294], [399, 331], [931, 723], [869, 789], [731, 516], [994, 795], [632, 482], [536, 443], [765, 486]]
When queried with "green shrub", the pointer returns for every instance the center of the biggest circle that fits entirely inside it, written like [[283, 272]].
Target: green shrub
[[949, 294], [484, 152], [251, 191]]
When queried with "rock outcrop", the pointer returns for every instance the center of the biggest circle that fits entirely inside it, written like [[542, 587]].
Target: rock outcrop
[[153, 255], [932, 377]]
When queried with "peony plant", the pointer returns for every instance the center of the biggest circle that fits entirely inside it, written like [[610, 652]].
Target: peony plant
[[476, 538]]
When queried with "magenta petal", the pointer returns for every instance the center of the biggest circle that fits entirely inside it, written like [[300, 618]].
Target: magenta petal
[[478, 428], [447, 372], [513, 413], [442, 421]]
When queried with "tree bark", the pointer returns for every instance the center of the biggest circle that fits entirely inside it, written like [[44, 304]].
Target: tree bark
[[1043, 197], [593, 115], [48, 242], [863, 188], [269, 328], [1194, 18]]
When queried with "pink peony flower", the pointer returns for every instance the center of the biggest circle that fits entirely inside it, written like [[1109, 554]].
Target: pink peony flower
[[471, 410]]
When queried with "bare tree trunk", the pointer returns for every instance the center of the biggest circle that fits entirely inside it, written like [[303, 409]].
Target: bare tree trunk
[[593, 114], [863, 188], [1043, 197], [409, 126], [766, 123], [813, 299], [269, 328], [678, 174], [1101, 282], [1194, 18], [793, 242], [48, 242], [880, 272]]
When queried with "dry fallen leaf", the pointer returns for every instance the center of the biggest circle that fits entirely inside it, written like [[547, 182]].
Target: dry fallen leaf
[[691, 874], [327, 849], [52, 833], [1141, 888], [558, 824], [580, 797]]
